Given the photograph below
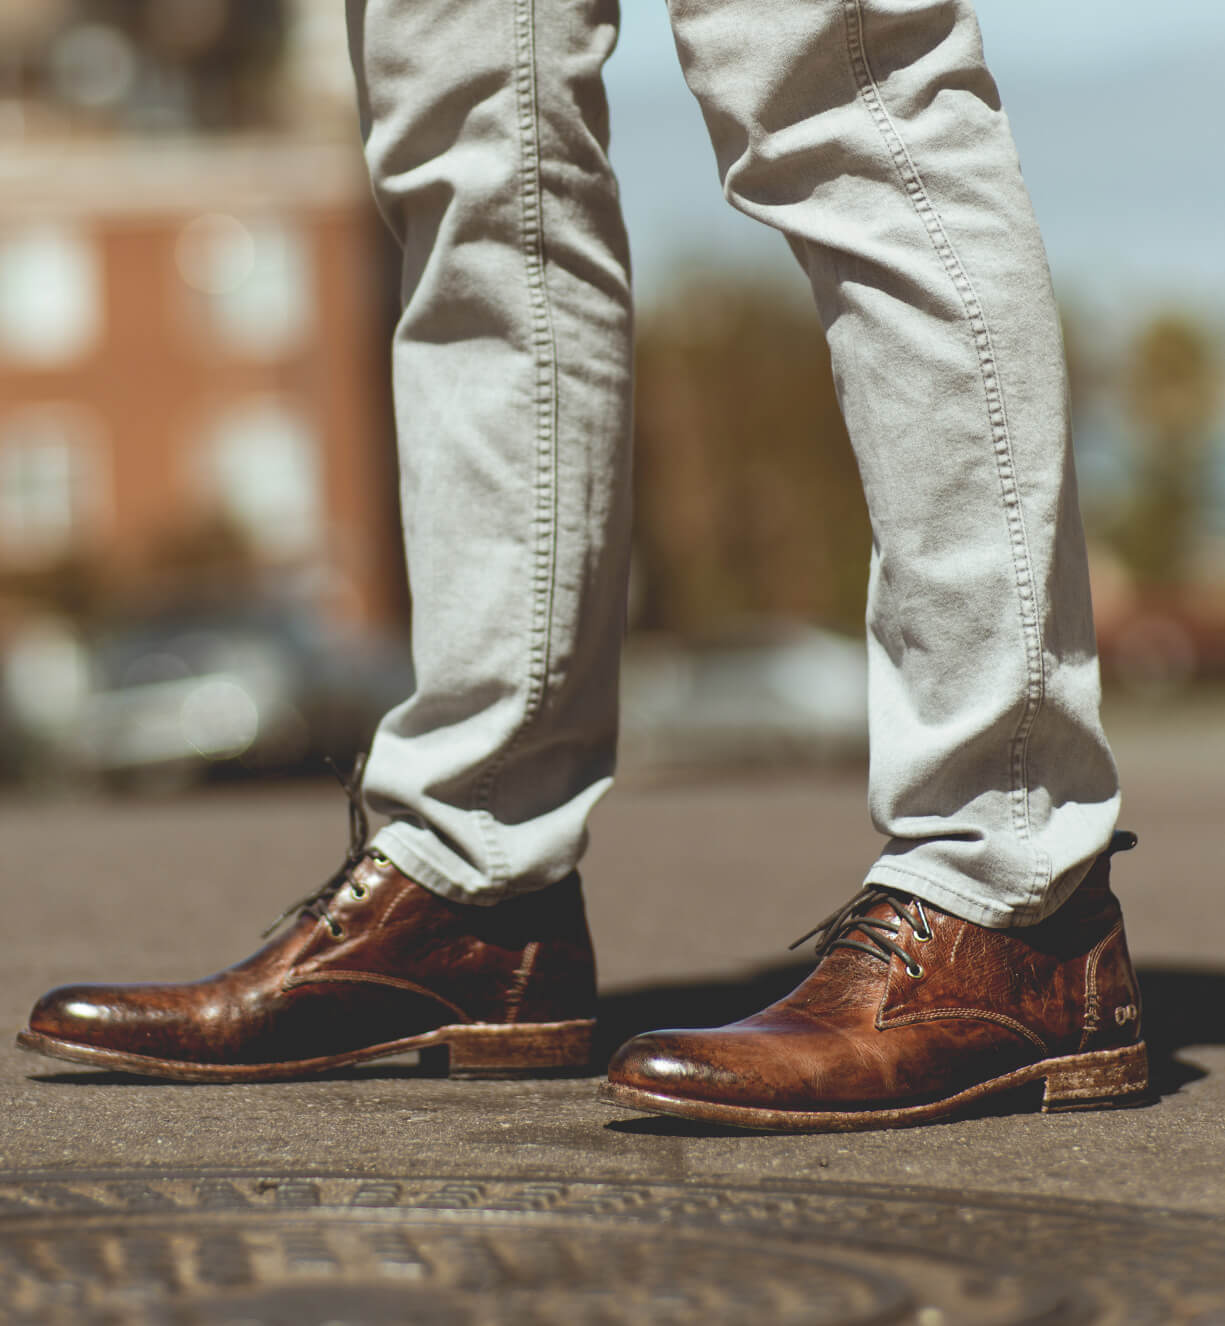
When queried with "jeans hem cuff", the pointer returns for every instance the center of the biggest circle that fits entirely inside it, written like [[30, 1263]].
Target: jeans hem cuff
[[967, 906], [402, 845]]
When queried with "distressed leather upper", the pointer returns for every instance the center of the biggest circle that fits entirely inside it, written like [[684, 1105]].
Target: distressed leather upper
[[405, 961], [869, 1031]]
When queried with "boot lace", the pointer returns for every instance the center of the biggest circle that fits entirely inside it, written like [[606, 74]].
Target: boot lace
[[877, 934], [359, 830]]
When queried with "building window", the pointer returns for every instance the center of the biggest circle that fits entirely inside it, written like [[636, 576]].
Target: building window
[[261, 467], [50, 483], [50, 294], [253, 280]]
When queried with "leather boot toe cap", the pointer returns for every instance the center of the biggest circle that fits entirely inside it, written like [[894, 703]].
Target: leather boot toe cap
[[71, 1013], [93, 1015], [693, 1065]]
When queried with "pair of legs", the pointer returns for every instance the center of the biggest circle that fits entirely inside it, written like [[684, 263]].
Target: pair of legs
[[986, 950], [870, 133]]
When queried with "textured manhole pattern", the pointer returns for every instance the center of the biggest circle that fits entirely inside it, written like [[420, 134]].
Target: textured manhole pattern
[[244, 1249]]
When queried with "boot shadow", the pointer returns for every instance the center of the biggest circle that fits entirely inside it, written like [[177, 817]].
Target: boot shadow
[[629, 1012], [1182, 1007]]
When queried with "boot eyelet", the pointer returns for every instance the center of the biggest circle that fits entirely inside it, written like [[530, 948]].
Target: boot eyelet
[[923, 931], [358, 890], [379, 858], [335, 930], [914, 970]]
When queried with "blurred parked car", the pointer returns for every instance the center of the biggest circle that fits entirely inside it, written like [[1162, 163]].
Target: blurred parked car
[[181, 692], [772, 693], [1159, 643]]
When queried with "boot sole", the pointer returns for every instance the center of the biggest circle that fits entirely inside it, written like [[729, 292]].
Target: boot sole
[[1104, 1079], [477, 1049]]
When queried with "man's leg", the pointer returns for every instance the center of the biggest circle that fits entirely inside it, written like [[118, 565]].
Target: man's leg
[[870, 133], [487, 137], [486, 134]]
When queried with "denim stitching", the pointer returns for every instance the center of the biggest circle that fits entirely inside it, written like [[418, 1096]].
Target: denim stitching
[[877, 875], [916, 190], [544, 351]]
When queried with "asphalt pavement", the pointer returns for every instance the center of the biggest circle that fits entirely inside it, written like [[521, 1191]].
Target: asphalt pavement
[[696, 884]]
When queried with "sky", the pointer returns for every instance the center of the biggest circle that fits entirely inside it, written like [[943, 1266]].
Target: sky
[[1118, 115]]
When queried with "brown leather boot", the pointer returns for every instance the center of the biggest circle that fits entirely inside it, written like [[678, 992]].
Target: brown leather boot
[[373, 965], [911, 1016]]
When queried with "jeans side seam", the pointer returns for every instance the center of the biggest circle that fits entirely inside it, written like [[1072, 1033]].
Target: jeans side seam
[[544, 355], [1001, 437]]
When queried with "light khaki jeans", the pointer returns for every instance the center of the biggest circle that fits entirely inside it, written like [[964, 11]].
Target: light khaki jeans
[[870, 133]]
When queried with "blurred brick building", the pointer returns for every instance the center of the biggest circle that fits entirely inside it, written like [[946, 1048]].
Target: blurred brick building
[[192, 323], [189, 334]]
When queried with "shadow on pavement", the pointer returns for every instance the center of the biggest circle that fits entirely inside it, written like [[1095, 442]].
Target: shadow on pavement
[[625, 1013], [1182, 1006]]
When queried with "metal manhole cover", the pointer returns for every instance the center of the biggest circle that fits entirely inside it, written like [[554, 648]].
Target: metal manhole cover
[[242, 1249]]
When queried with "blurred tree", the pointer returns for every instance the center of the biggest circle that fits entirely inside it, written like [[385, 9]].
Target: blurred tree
[[73, 587], [1172, 390], [748, 498], [204, 559], [209, 557], [1084, 370], [211, 548], [208, 64]]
